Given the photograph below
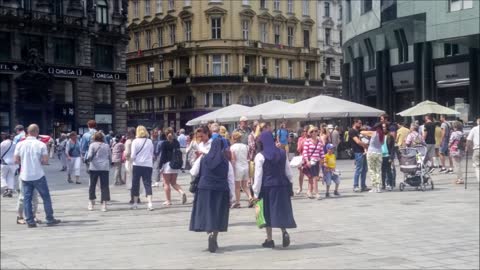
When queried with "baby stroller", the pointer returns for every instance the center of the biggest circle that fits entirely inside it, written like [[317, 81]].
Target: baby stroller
[[415, 170]]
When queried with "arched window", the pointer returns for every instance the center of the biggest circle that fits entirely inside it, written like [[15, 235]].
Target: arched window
[[102, 12], [246, 100]]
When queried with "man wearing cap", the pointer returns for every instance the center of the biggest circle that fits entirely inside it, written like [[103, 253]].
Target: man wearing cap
[[243, 129]]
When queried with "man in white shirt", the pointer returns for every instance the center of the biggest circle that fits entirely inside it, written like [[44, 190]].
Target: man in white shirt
[[182, 140], [7, 167], [473, 141], [31, 154]]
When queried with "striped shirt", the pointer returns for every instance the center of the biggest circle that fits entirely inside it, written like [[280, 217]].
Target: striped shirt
[[312, 152]]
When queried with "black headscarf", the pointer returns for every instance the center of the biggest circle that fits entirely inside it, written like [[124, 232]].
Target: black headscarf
[[216, 155], [270, 151]]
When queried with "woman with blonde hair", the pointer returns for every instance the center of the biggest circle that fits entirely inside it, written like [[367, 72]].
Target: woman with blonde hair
[[170, 174], [128, 161], [101, 158], [312, 158], [142, 161], [224, 133], [240, 167]]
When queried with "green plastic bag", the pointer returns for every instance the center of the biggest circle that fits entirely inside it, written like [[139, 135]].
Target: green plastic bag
[[259, 214]]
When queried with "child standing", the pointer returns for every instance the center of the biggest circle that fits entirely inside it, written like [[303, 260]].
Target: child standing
[[330, 173]]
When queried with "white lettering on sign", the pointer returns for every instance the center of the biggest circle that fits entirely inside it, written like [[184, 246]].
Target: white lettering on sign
[[65, 71], [4, 67], [98, 75]]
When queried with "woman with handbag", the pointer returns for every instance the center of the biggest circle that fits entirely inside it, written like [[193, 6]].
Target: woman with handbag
[[72, 151], [117, 151], [312, 158], [142, 161], [100, 159], [170, 149], [273, 183], [128, 161], [214, 192]]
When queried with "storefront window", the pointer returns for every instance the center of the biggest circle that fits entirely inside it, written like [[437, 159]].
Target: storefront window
[[64, 51], [4, 46], [103, 93], [103, 57], [31, 42], [63, 91]]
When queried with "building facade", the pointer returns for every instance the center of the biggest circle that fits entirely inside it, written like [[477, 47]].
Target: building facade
[[188, 57], [62, 63], [398, 53], [329, 25]]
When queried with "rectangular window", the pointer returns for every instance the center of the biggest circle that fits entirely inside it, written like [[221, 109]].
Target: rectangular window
[[137, 74], [290, 6], [216, 28], [63, 90], [173, 103], [327, 36], [263, 4], [217, 100], [31, 42], [349, 10], [135, 8], [328, 69], [159, 6], [276, 5], [306, 38], [227, 99], [371, 54], [247, 63], [245, 29], [161, 103], [327, 9], [150, 72], [173, 29], [305, 7], [188, 30], [64, 51], [290, 69], [277, 68], [188, 3], [102, 12], [161, 71], [149, 104], [171, 4], [402, 45], [103, 93], [277, 34], [340, 11], [264, 62], [456, 5], [147, 8], [290, 34], [366, 6], [5, 46], [160, 36], [148, 39], [225, 64], [263, 32], [207, 64], [103, 57], [217, 64], [207, 99], [136, 40], [450, 49]]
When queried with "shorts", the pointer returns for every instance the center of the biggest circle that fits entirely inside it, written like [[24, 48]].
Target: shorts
[[241, 173], [167, 170], [329, 177], [430, 151], [444, 149]]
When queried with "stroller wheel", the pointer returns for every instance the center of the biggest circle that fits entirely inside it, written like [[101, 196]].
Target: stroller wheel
[[432, 186], [401, 186]]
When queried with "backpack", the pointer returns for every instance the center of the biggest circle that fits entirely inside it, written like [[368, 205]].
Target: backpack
[[462, 143], [177, 161]]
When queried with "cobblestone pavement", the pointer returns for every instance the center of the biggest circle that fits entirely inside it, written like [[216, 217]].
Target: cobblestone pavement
[[391, 230]]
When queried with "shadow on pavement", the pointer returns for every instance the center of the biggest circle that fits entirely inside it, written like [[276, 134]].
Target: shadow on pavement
[[278, 247]]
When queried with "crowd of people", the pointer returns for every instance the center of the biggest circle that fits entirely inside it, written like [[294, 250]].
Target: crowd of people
[[254, 159]]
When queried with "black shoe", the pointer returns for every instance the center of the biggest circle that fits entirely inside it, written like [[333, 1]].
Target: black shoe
[[7, 193], [78, 182], [33, 225], [131, 201], [70, 181], [285, 239], [336, 193], [53, 222], [365, 189], [327, 195], [138, 200], [268, 244], [212, 247]]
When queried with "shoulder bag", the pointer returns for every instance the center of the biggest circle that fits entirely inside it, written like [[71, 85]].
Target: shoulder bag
[[177, 161], [4, 154]]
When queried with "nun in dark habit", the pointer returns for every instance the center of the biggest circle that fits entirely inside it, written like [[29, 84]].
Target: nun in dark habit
[[216, 191], [273, 184]]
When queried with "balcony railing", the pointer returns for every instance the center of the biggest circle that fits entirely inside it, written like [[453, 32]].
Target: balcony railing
[[235, 78]]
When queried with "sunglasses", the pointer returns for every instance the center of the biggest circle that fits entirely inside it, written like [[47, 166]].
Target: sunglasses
[[313, 131]]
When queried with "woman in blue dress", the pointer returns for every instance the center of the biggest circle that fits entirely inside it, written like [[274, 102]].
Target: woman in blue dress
[[216, 191], [273, 184]]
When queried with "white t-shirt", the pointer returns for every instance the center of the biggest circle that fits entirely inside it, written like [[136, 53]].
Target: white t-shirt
[[240, 151], [474, 137], [31, 152], [7, 156], [142, 156]]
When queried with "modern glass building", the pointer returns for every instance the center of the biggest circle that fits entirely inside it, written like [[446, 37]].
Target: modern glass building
[[398, 53]]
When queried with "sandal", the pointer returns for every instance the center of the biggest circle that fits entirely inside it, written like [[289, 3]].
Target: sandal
[[236, 205], [167, 203], [459, 182], [21, 221]]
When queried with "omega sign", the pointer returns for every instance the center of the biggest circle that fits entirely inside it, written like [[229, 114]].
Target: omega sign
[[65, 71], [106, 76]]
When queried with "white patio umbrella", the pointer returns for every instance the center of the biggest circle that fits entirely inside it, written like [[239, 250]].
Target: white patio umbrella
[[220, 114], [325, 106], [427, 107], [269, 110]]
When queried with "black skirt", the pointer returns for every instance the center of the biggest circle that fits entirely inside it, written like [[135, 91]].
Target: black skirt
[[277, 207], [210, 211]]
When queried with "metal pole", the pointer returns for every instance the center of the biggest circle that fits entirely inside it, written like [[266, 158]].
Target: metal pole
[[466, 166]]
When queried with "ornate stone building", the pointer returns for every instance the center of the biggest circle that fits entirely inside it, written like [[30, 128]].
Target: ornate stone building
[[78, 49], [190, 57]]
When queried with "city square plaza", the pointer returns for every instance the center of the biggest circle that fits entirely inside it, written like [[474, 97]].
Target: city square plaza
[[436, 229]]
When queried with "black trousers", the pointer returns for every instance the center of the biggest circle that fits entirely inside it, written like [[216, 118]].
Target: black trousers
[[104, 187], [146, 174], [387, 175]]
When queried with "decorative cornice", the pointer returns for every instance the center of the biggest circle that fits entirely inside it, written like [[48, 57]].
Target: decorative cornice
[[265, 16], [308, 22], [247, 13], [185, 15], [280, 18], [328, 22], [293, 20]]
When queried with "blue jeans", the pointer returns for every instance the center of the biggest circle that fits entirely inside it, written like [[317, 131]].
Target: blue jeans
[[360, 170], [41, 186]]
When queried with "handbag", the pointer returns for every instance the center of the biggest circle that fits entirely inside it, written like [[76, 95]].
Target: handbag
[[4, 154], [194, 183], [259, 216], [296, 161]]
